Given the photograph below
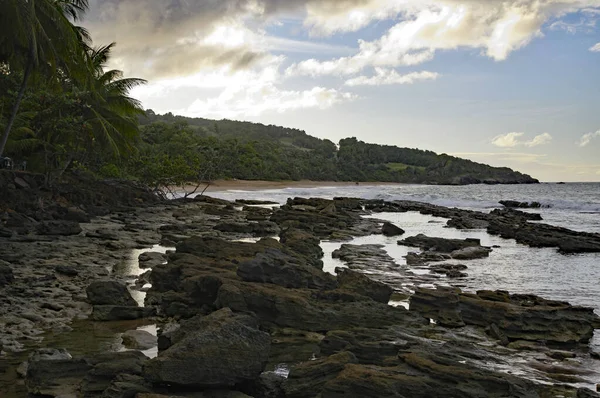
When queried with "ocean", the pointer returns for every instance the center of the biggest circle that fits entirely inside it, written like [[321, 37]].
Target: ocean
[[511, 266]]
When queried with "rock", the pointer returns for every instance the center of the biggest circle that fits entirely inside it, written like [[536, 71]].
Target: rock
[[278, 268], [66, 270], [441, 245], [308, 378], [363, 285], [389, 229], [121, 313], [21, 183], [521, 205], [151, 259], [52, 306], [268, 385], [5, 232], [440, 304], [127, 386], [109, 292], [518, 317], [76, 214], [364, 256], [498, 334], [471, 253], [255, 202], [139, 340], [221, 352], [59, 228], [54, 373], [106, 367], [304, 243], [421, 259], [6, 274]]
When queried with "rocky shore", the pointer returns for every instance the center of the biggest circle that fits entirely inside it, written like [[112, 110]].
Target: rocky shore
[[244, 308]]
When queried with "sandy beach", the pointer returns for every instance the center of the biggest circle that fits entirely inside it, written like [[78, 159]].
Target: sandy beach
[[246, 185]]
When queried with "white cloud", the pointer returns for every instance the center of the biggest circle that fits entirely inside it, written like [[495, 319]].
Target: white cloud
[[595, 48], [389, 76], [253, 101], [587, 138], [509, 140], [512, 140], [541, 139]]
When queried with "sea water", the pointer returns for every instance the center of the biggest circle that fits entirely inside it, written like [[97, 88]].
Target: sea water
[[511, 266]]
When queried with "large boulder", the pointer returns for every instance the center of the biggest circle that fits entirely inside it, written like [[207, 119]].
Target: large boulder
[[281, 269], [109, 292], [222, 352], [363, 285], [471, 253]]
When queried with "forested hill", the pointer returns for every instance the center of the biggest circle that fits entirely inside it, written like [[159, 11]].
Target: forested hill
[[255, 151]]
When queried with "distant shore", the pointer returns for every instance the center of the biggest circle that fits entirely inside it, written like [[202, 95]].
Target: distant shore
[[248, 185]]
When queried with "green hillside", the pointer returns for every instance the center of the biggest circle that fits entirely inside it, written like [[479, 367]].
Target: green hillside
[[255, 151]]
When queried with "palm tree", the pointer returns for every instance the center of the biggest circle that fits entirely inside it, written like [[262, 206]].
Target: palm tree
[[38, 35], [109, 110]]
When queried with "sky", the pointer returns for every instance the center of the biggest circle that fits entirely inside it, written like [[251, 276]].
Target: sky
[[505, 82]]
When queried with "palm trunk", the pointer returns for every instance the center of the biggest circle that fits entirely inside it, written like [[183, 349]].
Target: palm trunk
[[15, 109]]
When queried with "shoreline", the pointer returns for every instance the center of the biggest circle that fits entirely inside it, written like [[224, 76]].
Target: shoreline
[[261, 185]]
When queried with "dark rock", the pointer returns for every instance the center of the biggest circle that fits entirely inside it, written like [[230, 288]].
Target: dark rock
[[521, 205], [273, 266], [138, 340], [76, 214], [471, 253], [440, 304], [222, 352], [126, 386], [110, 292], [363, 285], [518, 317], [59, 228], [267, 385], [5, 232], [389, 229], [106, 367], [255, 202], [304, 243], [121, 313], [54, 373], [308, 378], [151, 259], [66, 270], [441, 245], [6, 274]]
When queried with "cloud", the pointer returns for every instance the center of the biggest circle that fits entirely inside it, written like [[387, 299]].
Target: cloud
[[541, 139], [509, 140], [587, 138], [512, 140], [253, 101], [595, 48], [387, 76]]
